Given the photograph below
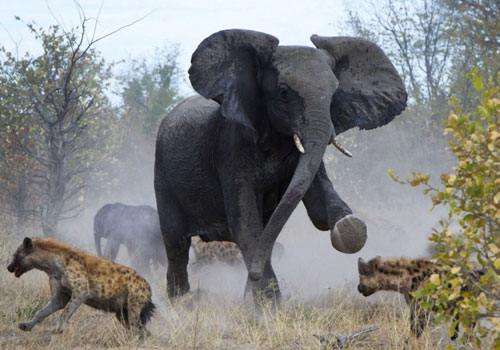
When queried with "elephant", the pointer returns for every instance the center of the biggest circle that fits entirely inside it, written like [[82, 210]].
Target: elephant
[[136, 227], [233, 162]]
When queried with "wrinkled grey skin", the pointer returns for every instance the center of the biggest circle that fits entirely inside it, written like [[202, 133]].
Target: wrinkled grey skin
[[227, 167], [136, 227]]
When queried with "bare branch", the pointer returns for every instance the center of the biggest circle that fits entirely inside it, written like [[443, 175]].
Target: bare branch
[[77, 171], [79, 211], [97, 21], [16, 44], [123, 27]]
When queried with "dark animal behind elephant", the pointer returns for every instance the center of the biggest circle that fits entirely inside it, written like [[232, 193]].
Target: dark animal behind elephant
[[136, 227], [233, 164]]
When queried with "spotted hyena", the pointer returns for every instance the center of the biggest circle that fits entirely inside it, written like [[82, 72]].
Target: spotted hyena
[[211, 252], [77, 277], [401, 275], [226, 252]]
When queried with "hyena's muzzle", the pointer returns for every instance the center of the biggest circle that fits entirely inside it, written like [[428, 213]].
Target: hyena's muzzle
[[16, 268], [365, 291]]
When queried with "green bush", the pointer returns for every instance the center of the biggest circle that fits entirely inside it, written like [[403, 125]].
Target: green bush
[[472, 194]]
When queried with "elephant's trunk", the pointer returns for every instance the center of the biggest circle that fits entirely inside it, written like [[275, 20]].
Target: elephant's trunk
[[315, 137]]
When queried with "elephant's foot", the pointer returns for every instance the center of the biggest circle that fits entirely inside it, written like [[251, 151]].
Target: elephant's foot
[[349, 234], [264, 291], [175, 292], [177, 288]]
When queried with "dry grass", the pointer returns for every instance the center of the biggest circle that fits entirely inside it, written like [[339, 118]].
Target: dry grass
[[207, 321]]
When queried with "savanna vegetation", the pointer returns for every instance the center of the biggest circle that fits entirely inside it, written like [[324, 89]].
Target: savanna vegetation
[[449, 53], [468, 240], [65, 144], [208, 321]]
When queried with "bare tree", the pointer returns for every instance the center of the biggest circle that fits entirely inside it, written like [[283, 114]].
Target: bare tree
[[475, 31], [414, 33], [435, 44], [69, 112], [17, 185]]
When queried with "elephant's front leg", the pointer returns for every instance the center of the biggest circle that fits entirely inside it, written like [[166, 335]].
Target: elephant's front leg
[[111, 249], [243, 208], [139, 256], [266, 288], [328, 211]]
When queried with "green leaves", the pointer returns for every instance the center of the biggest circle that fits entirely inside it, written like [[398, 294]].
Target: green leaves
[[150, 89], [476, 79]]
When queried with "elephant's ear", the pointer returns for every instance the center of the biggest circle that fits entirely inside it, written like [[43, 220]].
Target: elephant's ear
[[370, 92], [226, 68]]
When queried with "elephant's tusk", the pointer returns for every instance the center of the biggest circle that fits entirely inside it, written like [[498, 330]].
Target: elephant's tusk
[[341, 149], [298, 143]]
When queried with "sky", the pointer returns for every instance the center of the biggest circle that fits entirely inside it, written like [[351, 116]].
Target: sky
[[182, 22]]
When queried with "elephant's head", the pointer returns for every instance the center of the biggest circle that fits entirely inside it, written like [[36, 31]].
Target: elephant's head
[[304, 93]]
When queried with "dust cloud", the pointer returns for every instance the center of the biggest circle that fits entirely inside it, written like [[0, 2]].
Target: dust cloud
[[398, 217]]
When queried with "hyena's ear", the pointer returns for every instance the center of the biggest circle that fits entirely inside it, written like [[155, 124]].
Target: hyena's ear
[[28, 243], [364, 268]]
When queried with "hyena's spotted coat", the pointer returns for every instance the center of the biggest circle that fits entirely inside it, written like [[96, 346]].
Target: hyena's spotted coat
[[226, 252], [77, 277], [211, 252], [401, 275]]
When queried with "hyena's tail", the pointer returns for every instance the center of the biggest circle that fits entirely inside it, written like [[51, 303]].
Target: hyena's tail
[[147, 311]]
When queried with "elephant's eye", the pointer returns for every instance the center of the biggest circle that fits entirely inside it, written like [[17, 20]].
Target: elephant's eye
[[283, 91]]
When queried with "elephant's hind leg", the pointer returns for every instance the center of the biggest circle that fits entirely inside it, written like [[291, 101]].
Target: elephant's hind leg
[[177, 244], [178, 258], [140, 256], [112, 247]]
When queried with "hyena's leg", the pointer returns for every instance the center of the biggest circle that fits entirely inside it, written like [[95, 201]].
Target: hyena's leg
[[134, 307], [468, 337], [74, 303], [122, 316], [139, 295], [79, 294], [59, 301], [418, 319]]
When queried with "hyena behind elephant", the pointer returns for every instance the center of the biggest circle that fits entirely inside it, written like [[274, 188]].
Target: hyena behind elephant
[[404, 276], [222, 251], [77, 278]]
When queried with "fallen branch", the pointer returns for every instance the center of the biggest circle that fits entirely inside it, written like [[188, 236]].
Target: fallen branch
[[343, 342]]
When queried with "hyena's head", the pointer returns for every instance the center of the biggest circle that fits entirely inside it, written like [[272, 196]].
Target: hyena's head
[[368, 278], [22, 259]]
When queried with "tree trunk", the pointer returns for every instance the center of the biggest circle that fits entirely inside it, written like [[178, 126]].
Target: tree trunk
[[56, 186]]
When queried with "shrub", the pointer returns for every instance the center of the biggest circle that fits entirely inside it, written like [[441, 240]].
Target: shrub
[[472, 194]]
